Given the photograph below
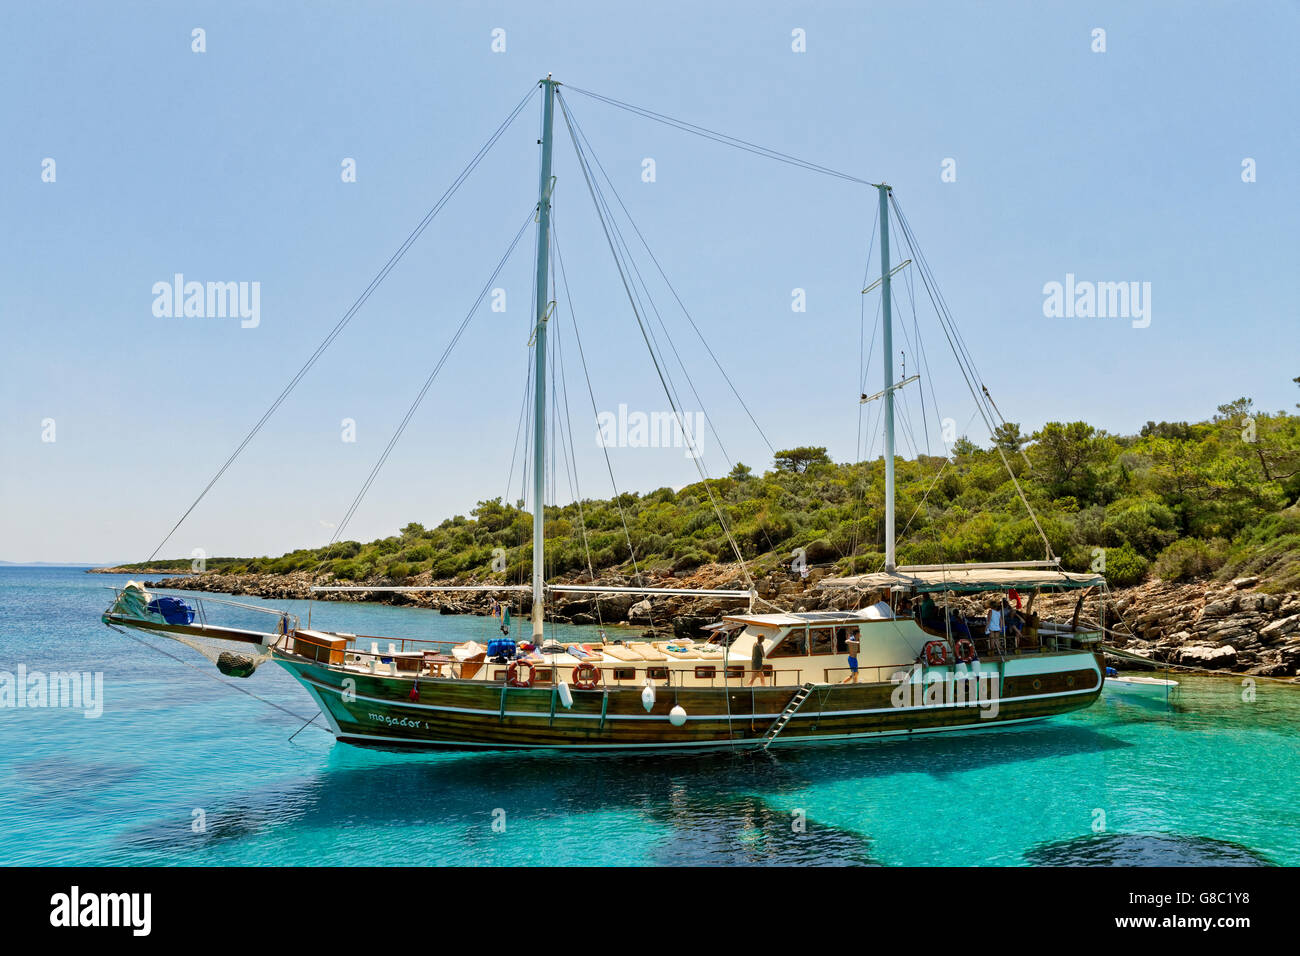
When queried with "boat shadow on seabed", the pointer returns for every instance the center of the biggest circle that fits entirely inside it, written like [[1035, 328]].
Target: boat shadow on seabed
[[709, 802]]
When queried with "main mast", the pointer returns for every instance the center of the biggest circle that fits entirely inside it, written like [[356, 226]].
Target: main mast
[[888, 386], [539, 353]]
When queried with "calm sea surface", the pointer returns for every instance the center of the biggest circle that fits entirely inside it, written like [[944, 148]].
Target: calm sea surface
[[1210, 779]]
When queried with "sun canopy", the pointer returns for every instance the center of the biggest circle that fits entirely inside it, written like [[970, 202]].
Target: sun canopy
[[968, 579]]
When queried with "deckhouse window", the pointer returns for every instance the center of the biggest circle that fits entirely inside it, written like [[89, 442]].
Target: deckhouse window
[[794, 644], [823, 640]]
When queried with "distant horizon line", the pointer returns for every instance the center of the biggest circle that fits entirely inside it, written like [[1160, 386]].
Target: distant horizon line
[[60, 564]]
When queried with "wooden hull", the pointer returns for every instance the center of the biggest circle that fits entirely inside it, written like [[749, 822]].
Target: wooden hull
[[375, 710]]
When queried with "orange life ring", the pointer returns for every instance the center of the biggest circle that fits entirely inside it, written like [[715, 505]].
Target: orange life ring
[[936, 652], [512, 674], [965, 650], [586, 676]]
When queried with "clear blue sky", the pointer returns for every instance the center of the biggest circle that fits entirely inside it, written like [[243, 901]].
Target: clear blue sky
[[225, 166]]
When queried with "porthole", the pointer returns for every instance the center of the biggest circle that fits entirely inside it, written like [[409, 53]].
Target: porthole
[[1069, 681], [1038, 685]]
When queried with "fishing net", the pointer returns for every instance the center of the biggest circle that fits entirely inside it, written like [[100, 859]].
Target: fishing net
[[233, 658]]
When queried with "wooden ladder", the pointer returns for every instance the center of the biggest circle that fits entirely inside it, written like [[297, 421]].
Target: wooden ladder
[[778, 725]]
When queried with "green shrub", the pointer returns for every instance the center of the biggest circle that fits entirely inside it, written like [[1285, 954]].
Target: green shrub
[[1190, 558], [1124, 565], [417, 554], [1147, 525], [689, 560]]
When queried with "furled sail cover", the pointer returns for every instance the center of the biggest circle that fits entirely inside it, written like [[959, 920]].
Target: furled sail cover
[[133, 601], [962, 579]]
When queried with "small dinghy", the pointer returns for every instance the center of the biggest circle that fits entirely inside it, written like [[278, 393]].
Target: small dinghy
[[1145, 686]]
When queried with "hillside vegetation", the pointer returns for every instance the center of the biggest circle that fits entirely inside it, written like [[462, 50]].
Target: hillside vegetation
[[1177, 501]]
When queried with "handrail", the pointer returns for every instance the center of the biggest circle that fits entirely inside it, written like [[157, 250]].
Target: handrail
[[678, 676], [190, 595]]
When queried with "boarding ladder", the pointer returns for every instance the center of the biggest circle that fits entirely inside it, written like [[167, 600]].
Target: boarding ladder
[[778, 725]]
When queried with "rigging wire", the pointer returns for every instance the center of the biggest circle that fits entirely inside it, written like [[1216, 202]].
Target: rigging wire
[[921, 503], [719, 137], [864, 363], [682, 305], [646, 301], [568, 416], [211, 676], [618, 497], [519, 427], [967, 365], [424, 390], [334, 333], [924, 363], [593, 188], [643, 288]]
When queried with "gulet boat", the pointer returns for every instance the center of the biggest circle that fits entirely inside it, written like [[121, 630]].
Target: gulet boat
[[911, 652]]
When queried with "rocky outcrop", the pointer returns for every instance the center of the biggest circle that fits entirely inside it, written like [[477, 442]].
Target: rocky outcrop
[[1209, 624], [1207, 656]]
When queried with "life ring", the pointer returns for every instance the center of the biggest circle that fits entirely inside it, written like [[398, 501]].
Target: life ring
[[586, 676], [965, 650], [512, 674], [936, 652]]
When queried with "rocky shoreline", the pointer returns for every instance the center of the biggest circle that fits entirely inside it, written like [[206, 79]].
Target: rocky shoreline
[[1210, 625]]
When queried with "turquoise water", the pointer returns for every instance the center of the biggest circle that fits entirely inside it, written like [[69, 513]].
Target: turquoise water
[[1211, 779]]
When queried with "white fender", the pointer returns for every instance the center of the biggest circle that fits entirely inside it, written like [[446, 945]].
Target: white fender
[[648, 695], [566, 695], [677, 716]]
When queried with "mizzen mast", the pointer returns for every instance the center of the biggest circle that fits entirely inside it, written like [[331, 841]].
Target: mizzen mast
[[888, 345], [539, 372]]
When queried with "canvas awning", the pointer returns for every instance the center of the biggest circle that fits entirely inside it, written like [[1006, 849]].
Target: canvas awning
[[968, 580]]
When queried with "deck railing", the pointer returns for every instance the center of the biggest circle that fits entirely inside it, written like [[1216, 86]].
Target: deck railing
[[200, 605]]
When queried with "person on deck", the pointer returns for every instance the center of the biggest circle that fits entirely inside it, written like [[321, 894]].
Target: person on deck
[[853, 664], [993, 629], [756, 662], [930, 614], [957, 625], [1014, 624]]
